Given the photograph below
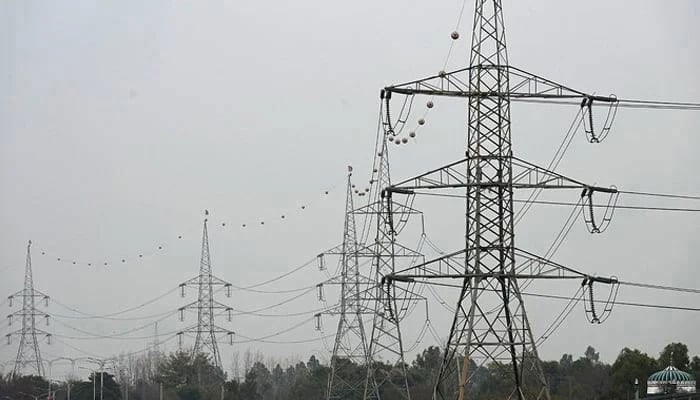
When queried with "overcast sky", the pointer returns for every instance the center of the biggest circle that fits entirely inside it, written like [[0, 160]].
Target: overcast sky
[[120, 122]]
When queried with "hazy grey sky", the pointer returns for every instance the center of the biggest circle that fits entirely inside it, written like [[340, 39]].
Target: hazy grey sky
[[120, 122]]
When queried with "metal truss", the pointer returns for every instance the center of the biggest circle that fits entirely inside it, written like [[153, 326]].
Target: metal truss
[[392, 303], [206, 330], [28, 351], [490, 324], [350, 347]]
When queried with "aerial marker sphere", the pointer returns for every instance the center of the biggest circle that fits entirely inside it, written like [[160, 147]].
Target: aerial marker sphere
[[404, 140], [454, 35], [430, 104], [421, 121], [412, 134]]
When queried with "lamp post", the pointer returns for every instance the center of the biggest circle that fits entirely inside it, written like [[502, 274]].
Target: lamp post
[[101, 363]]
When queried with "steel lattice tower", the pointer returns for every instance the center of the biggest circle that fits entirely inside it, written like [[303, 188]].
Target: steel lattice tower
[[350, 348], [391, 303], [206, 330], [490, 324], [28, 352]]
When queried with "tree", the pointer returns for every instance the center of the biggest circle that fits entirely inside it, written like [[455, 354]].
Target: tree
[[695, 368], [629, 366], [675, 354], [181, 369], [97, 381], [592, 355]]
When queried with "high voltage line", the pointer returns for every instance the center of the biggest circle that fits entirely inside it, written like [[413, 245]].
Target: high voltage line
[[562, 203]]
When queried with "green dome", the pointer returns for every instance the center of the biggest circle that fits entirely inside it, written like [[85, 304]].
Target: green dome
[[671, 374]]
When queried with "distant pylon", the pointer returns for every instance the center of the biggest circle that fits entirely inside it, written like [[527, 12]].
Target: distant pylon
[[350, 348], [206, 329], [386, 343], [28, 353]]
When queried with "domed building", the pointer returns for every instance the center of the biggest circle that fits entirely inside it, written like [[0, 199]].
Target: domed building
[[670, 380]]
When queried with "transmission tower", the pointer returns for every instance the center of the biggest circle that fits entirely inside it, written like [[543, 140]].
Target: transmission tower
[[391, 303], [206, 330], [350, 348], [28, 353], [490, 324]]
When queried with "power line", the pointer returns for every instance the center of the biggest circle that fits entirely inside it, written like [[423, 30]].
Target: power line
[[561, 203], [278, 277], [673, 196], [551, 296], [623, 207], [622, 303], [632, 104], [116, 335], [106, 316], [660, 287]]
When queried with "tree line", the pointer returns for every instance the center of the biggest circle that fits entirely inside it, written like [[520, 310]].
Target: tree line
[[179, 376]]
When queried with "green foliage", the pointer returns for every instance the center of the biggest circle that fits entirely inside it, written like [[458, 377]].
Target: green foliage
[[629, 366], [675, 354], [187, 378]]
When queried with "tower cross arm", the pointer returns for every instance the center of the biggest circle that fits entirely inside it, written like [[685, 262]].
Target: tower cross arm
[[525, 176], [215, 281], [523, 85], [528, 266]]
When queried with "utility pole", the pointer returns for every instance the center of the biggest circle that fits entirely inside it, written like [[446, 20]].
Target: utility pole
[[28, 353], [206, 328]]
